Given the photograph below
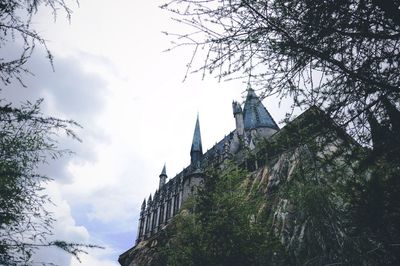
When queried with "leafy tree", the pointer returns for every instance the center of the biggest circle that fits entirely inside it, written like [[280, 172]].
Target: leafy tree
[[222, 225], [338, 206], [374, 207], [342, 56], [27, 140], [313, 203], [16, 29]]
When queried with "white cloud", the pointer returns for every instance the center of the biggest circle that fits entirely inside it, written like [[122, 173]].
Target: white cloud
[[64, 228], [95, 258]]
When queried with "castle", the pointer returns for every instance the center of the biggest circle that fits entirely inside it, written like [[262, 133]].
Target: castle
[[271, 155], [252, 122]]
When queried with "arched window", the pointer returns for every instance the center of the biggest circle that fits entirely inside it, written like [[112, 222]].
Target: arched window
[[147, 223], [161, 217], [153, 222], [176, 204], [141, 227], [168, 209]]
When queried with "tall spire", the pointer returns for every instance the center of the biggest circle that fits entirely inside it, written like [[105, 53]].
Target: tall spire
[[163, 176], [164, 170], [196, 150], [144, 205], [255, 115]]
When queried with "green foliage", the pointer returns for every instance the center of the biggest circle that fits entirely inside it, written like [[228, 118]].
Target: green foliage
[[225, 227], [16, 29], [327, 208], [341, 204], [74, 249], [339, 211], [28, 140], [342, 56], [226, 217], [374, 207]]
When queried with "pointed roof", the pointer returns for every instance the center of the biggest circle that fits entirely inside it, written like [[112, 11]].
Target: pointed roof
[[144, 204], [255, 115], [164, 171], [196, 143]]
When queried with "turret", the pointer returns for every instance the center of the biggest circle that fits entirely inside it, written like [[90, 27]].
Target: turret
[[149, 202], [163, 177], [141, 225], [238, 114], [255, 115], [196, 151], [143, 206]]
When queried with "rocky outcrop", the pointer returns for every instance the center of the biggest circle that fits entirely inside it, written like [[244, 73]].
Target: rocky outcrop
[[141, 254], [273, 163]]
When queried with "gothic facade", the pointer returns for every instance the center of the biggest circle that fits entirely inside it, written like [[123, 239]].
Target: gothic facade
[[252, 122]]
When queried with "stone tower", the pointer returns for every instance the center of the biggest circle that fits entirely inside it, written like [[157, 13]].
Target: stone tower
[[196, 151]]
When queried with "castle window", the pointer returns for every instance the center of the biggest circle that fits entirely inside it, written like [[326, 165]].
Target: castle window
[[176, 204], [147, 223], [141, 227], [153, 222], [174, 207], [168, 209], [161, 218]]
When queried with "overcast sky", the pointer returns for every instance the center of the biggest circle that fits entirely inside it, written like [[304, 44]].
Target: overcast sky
[[112, 76]]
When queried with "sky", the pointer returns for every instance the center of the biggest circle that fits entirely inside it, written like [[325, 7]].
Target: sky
[[113, 78]]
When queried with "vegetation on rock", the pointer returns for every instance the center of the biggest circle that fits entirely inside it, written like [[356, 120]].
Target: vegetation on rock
[[314, 203]]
